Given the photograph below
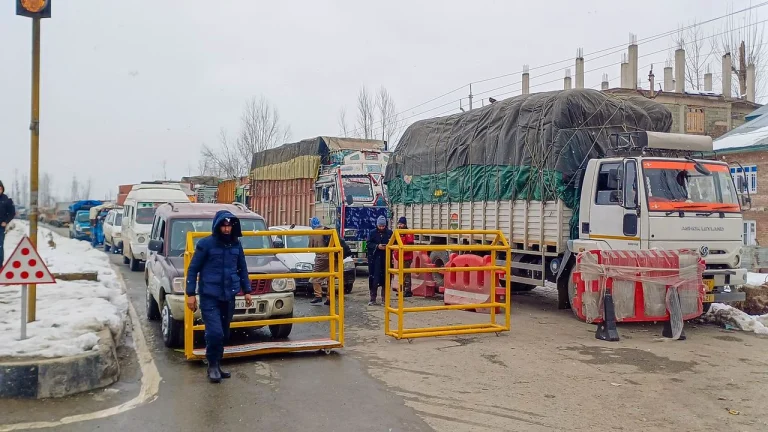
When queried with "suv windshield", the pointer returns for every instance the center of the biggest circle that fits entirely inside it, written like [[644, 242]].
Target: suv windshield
[[180, 228], [83, 217], [359, 187], [674, 185]]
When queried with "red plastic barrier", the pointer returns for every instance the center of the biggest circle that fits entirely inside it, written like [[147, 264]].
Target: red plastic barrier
[[422, 284], [639, 296], [471, 286]]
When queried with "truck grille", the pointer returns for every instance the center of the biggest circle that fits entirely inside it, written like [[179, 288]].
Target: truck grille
[[261, 286]]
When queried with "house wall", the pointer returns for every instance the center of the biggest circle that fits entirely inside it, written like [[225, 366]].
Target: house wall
[[759, 210]]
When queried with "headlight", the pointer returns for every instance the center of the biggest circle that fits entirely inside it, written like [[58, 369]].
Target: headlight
[[736, 261], [303, 266], [178, 285], [279, 284], [141, 239], [349, 265], [77, 228]]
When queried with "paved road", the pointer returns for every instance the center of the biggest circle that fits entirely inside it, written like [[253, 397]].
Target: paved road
[[290, 392]]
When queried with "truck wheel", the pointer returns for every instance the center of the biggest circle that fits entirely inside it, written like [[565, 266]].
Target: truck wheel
[[281, 331], [172, 330], [571, 292], [135, 264], [439, 259], [153, 310], [106, 247], [126, 260]]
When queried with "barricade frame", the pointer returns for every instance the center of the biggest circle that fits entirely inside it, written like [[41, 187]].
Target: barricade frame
[[395, 244], [335, 316]]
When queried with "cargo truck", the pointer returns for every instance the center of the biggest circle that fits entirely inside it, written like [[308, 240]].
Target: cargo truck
[[564, 172], [339, 180]]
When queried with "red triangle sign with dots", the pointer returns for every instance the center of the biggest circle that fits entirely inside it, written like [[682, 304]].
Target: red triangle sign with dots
[[25, 266]]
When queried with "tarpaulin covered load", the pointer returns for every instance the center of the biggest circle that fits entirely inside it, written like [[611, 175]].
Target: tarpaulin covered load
[[528, 147], [303, 159]]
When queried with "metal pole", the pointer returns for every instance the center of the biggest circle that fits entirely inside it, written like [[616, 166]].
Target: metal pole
[[34, 128], [24, 311]]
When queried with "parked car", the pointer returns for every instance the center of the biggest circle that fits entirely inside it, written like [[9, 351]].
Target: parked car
[[164, 271], [80, 228], [304, 262], [112, 231]]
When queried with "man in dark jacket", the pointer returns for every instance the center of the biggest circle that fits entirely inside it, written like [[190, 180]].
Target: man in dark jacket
[[219, 260], [377, 258], [7, 213]]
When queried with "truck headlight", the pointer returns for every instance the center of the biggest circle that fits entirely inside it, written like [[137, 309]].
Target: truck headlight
[[736, 261], [303, 266], [280, 285], [77, 228], [178, 285], [349, 265]]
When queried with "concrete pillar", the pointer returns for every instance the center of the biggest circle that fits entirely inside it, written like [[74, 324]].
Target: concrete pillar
[[680, 70], [526, 80], [633, 65], [708, 81], [605, 84], [751, 82], [669, 81], [580, 72], [625, 75], [567, 80], [681, 118], [727, 75]]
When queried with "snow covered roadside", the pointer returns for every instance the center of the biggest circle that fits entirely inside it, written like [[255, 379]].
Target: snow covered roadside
[[726, 315], [70, 315], [756, 279]]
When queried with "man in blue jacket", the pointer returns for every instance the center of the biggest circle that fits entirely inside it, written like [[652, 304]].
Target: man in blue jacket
[[377, 258], [219, 260]]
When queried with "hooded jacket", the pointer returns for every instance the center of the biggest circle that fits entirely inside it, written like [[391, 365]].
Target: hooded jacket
[[220, 263], [7, 209]]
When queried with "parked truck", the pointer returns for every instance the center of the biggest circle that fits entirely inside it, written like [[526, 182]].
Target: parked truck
[[570, 171], [339, 180], [79, 213]]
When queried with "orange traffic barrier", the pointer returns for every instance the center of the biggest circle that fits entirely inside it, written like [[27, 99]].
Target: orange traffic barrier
[[422, 284], [470, 287]]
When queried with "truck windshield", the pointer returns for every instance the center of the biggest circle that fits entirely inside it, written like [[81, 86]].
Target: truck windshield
[[180, 228], [145, 215], [676, 185], [359, 187], [83, 217]]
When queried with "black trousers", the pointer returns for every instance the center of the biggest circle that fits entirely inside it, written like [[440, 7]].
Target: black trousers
[[217, 315]]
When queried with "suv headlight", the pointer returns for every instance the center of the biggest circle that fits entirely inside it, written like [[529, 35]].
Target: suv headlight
[[303, 266], [141, 239], [178, 285], [280, 285], [349, 265]]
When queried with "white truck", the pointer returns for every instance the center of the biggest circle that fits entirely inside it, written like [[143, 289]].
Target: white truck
[[645, 192]]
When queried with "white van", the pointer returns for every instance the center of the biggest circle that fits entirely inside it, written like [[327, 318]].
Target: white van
[[138, 214]]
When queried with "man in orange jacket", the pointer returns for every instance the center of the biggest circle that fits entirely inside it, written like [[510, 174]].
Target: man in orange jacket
[[407, 239]]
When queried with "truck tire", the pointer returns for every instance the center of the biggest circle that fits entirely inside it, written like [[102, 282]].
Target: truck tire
[[571, 292], [439, 259], [126, 260], [172, 330], [153, 310], [281, 331], [135, 264]]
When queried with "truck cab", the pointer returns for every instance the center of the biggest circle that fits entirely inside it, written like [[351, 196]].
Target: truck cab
[[656, 195]]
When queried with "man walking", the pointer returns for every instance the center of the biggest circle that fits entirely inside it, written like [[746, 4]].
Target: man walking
[[219, 260], [407, 239], [377, 259], [322, 262], [7, 213]]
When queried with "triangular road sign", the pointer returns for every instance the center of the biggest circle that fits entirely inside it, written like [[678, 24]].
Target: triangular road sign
[[25, 266]]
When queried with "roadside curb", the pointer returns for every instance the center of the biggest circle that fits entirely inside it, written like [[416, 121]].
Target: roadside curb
[[64, 376]]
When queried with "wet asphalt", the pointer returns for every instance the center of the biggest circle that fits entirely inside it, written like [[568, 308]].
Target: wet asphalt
[[298, 391]]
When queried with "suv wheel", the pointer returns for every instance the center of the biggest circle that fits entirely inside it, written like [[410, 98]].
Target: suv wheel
[[153, 311], [172, 330], [135, 264], [126, 260], [281, 331]]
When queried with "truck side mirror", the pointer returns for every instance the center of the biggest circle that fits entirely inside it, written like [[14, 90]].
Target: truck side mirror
[[745, 201], [350, 199], [630, 224]]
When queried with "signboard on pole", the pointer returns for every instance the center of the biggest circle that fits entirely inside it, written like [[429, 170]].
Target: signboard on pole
[[25, 266]]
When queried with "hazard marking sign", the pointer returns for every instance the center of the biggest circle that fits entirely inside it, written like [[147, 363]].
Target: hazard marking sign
[[25, 266]]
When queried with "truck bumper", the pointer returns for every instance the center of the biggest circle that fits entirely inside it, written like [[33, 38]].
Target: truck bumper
[[722, 289]]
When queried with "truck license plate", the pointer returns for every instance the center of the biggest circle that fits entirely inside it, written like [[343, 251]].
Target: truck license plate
[[710, 284], [709, 298]]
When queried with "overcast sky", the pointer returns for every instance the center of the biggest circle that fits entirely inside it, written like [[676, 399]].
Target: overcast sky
[[129, 84]]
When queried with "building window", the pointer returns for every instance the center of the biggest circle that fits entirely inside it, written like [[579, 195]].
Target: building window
[[750, 229], [694, 121], [746, 181]]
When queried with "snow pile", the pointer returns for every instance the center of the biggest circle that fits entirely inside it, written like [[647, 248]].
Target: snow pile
[[725, 315], [756, 279], [69, 314]]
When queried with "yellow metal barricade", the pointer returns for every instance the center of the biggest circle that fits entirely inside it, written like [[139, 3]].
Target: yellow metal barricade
[[395, 244], [335, 317]]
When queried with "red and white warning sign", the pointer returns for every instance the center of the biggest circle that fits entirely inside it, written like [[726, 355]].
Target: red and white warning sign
[[25, 266]]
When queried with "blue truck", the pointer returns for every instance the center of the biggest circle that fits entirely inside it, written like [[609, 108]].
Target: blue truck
[[79, 214]]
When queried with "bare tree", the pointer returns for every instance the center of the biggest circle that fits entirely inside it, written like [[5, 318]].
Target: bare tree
[[74, 190], [343, 126], [744, 40], [697, 54], [365, 110], [164, 167], [24, 191], [260, 129], [16, 193], [46, 196], [388, 118], [87, 189]]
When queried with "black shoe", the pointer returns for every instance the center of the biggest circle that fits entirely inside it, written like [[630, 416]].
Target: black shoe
[[224, 375], [214, 375], [408, 293], [327, 303], [316, 301]]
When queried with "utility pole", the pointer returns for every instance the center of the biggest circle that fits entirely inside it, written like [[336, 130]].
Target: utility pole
[[35, 9]]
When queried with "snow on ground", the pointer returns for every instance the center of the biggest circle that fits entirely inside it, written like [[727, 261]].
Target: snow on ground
[[725, 315], [756, 279], [69, 314]]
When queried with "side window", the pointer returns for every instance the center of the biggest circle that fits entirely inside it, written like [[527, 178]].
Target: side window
[[607, 184], [630, 184], [162, 230], [318, 194], [155, 224]]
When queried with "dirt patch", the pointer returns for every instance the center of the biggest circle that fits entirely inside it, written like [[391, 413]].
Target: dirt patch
[[645, 361], [729, 338], [756, 302]]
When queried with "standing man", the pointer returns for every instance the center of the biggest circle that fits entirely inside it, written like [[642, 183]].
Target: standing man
[[7, 213], [407, 239], [219, 260], [377, 258], [322, 263]]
